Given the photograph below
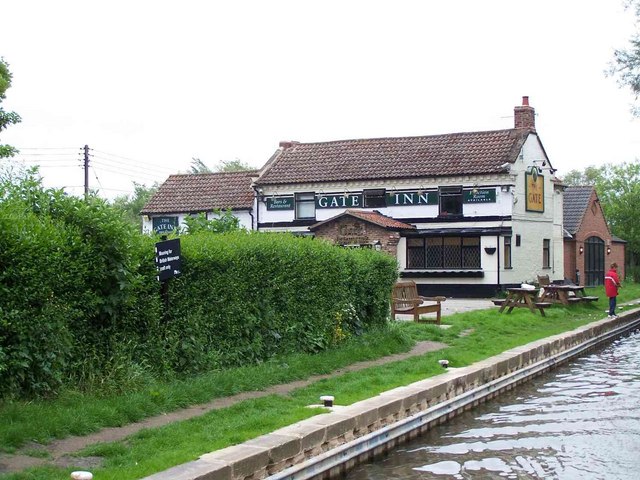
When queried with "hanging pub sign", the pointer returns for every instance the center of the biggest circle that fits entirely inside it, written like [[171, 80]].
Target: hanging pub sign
[[164, 224], [279, 203], [480, 195], [168, 262], [534, 191]]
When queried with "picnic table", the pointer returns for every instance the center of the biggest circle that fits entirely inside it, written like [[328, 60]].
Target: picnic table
[[565, 294], [523, 298]]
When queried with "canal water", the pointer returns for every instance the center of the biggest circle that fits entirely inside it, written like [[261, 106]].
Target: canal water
[[579, 421]]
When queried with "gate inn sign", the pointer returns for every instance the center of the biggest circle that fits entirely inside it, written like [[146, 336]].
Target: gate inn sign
[[164, 224], [168, 261]]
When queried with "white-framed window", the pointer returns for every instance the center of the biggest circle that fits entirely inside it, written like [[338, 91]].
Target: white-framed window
[[305, 205]]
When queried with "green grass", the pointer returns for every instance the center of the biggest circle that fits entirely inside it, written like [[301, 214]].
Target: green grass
[[156, 449]]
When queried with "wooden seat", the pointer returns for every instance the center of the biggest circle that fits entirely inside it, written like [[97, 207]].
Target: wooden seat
[[405, 300], [575, 299], [590, 299], [498, 301], [543, 304], [543, 280]]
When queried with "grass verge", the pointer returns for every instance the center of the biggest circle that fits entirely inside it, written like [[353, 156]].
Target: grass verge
[[151, 450]]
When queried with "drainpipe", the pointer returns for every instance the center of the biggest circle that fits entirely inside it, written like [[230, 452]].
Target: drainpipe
[[498, 259], [258, 199]]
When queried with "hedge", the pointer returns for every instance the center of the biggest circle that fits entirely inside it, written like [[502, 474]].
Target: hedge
[[80, 305]]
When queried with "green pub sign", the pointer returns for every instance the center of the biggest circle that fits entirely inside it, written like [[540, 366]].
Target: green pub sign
[[407, 199], [339, 201], [481, 195], [164, 224], [279, 203]]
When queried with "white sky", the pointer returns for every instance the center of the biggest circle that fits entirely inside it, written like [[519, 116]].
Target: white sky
[[151, 84]]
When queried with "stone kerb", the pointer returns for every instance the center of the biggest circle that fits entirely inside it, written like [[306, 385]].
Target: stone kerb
[[291, 445]]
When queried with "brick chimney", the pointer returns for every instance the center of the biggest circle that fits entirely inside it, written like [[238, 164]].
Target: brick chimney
[[284, 144], [525, 116]]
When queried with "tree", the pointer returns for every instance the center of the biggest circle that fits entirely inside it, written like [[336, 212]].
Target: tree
[[236, 165], [132, 204], [198, 166], [6, 118], [626, 62], [618, 188], [225, 221]]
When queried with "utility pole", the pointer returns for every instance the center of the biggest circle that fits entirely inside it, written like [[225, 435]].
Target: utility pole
[[86, 171]]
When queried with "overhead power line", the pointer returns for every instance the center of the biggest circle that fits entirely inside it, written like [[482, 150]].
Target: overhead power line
[[151, 165]]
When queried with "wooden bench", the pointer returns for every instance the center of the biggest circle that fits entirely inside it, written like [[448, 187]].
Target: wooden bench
[[405, 300], [498, 301], [590, 299], [543, 304]]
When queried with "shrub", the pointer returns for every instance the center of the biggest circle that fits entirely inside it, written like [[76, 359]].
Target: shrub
[[80, 304]]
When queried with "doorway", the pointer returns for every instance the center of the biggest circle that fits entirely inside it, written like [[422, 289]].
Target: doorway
[[593, 261]]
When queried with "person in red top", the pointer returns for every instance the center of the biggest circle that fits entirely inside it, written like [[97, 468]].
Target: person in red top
[[611, 285]]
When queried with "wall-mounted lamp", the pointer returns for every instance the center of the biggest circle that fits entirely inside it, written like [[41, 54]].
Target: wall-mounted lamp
[[377, 245], [505, 188], [608, 250], [581, 249]]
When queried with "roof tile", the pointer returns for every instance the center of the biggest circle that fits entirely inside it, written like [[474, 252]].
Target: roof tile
[[202, 192], [402, 157]]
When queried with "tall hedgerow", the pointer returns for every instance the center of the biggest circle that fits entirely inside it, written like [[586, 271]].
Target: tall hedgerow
[[244, 297], [80, 305], [68, 283]]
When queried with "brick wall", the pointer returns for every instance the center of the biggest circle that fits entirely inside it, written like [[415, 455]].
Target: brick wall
[[349, 230], [593, 225]]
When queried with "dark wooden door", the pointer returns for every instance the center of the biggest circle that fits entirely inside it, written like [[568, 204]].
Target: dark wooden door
[[593, 261]]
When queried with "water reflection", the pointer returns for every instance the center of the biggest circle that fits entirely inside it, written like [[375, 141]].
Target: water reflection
[[580, 421]]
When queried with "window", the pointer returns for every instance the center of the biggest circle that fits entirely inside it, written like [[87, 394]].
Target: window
[[305, 205], [507, 252], [450, 199], [546, 253], [518, 240], [415, 252], [443, 252], [375, 198]]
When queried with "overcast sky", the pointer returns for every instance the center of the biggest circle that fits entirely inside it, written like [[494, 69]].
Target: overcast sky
[[150, 84]]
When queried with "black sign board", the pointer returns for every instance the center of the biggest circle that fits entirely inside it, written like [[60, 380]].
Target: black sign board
[[168, 260]]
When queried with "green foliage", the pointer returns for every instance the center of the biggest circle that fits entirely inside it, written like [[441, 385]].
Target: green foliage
[[223, 221], [268, 294], [236, 165], [198, 166], [626, 62], [618, 187], [69, 287], [80, 303], [132, 204], [6, 118]]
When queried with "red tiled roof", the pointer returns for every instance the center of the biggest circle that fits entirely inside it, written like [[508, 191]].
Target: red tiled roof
[[372, 216], [202, 192], [404, 157]]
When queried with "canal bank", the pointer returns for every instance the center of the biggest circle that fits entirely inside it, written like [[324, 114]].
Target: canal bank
[[327, 445]]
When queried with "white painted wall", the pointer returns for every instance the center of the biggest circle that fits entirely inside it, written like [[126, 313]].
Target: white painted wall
[[533, 227], [243, 215]]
